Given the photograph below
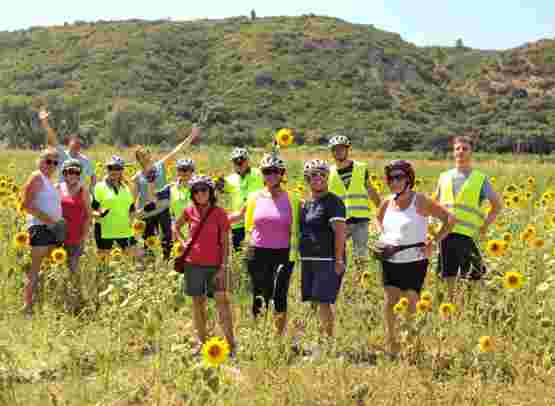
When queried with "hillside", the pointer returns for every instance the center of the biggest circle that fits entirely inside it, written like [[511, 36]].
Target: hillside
[[145, 81]]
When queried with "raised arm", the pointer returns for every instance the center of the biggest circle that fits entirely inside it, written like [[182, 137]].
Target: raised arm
[[51, 135], [195, 134]]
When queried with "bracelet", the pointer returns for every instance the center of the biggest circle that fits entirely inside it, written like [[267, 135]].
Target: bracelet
[[340, 261]]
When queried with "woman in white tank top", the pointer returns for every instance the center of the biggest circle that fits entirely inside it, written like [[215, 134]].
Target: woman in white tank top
[[42, 202], [403, 222]]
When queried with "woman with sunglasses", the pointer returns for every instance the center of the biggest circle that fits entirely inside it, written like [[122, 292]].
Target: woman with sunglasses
[[322, 243], [43, 205], [272, 227], [402, 221], [113, 207], [153, 200], [206, 259], [76, 211]]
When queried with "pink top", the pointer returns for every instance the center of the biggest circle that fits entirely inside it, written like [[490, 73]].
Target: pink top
[[74, 213], [272, 222]]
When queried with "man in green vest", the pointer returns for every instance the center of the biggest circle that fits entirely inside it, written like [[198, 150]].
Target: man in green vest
[[350, 181], [240, 185], [462, 191]]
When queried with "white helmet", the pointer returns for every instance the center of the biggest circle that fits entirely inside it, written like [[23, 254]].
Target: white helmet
[[198, 180], [185, 164], [272, 161], [339, 140], [239, 153], [316, 165]]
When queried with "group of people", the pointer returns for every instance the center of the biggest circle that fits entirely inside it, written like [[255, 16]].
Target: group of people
[[274, 227]]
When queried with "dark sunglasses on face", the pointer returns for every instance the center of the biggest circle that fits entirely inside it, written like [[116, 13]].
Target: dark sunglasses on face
[[200, 189], [395, 178], [114, 168], [53, 162], [271, 171], [72, 172]]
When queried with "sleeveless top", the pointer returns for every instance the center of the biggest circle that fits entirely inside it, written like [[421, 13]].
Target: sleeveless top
[[405, 227], [74, 212], [47, 200]]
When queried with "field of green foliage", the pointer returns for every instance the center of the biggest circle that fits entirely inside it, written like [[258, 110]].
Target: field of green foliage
[[130, 344]]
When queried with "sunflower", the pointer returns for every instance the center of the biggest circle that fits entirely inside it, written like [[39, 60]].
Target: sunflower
[[215, 351], [284, 137], [447, 309], [507, 237], [426, 296], [526, 236], [3, 184], [528, 195], [59, 256], [423, 306], [516, 200], [178, 249], [365, 279], [21, 239], [536, 243], [510, 189], [151, 242], [139, 227], [531, 180], [486, 344], [116, 255], [399, 309], [513, 280], [530, 228], [496, 248], [404, 302], [493, 180]]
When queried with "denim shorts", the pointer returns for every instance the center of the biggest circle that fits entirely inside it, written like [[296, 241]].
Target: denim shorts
[[319, 281], [198, 280]]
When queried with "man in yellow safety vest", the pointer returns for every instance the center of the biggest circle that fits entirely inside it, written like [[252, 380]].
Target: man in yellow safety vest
[[350, 181], [462, 191]]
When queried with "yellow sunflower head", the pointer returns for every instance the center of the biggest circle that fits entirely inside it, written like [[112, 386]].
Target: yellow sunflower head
[[404, 302], [423, 306], [496, 248], [513, 280], [284, 137], [510, 189], [59, 256], [426, 296], [536, 243], [21, 239], [365, 279], [139, 227], [399, 309], [531, 180], [215, 351], [152, 241], [446, 310], [116, 255], [507, 237], [178, 249], [486, 344]]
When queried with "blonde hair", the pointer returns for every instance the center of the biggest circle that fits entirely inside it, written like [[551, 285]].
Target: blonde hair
[[47, 152]]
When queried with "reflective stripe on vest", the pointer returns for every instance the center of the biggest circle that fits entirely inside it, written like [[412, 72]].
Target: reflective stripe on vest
[[466, 205], [356, 197], [295, 224]]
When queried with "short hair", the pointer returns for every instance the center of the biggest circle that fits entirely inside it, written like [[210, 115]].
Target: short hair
[[140, 150], [49, 151], [463, 139]]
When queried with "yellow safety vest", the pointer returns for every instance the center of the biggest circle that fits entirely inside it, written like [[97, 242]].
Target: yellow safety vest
[[241, 187], [295, 225], [466, 205], [356, 197]]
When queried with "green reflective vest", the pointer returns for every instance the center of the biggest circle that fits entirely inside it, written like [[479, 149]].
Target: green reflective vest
[[180, 198], [356, 197], [116, 224], [240, 188], [295, 203], [466, 205]]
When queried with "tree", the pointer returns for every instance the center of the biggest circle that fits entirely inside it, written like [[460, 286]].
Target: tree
[[459, 44], [253, 14]]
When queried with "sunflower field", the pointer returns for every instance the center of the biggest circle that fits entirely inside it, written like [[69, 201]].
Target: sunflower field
[[129, 341]]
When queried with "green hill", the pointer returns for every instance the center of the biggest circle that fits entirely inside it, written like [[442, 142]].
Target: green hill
[[145, 81]]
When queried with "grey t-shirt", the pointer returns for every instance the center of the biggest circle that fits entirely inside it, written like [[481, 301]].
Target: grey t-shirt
[[459, 177], [87, 169]]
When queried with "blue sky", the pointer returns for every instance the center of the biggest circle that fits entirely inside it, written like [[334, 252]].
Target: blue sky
[[493, 24]]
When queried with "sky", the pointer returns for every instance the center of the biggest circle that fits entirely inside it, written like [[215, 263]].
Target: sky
[[484, 24]]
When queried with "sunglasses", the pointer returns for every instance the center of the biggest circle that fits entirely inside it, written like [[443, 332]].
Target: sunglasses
[[271, 171], [115, 168], [54, 162], [395, 178], [200, 189], [314, 175], [72, 172], [238, 161]]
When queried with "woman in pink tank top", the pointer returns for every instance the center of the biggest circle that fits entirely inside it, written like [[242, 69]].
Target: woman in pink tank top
[[76, 211]]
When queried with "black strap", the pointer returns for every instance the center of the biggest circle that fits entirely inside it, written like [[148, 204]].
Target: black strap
[[406, 247], [194, 238]]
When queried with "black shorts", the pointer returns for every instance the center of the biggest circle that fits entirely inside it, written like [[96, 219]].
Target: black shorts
[[108, 243], [459, 257], [41, 236], [319, 281], [405, 276], [238, 235]]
